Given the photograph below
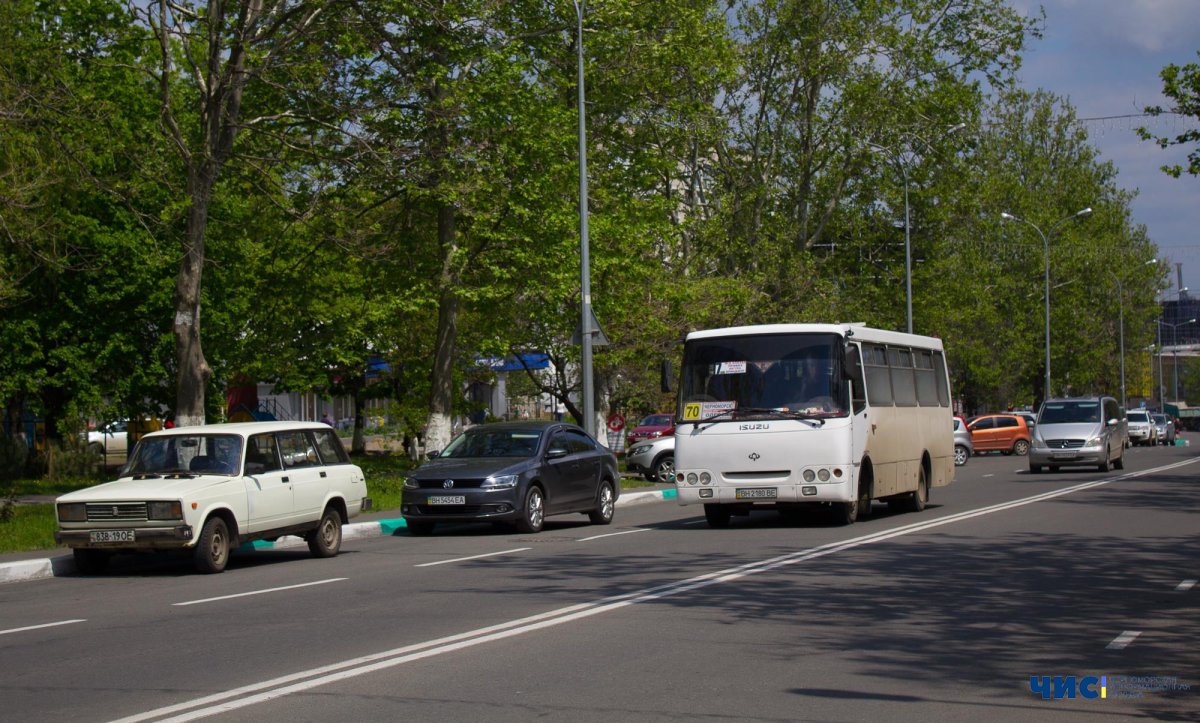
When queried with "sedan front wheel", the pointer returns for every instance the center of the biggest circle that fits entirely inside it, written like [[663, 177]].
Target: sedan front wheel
[[533, 511]]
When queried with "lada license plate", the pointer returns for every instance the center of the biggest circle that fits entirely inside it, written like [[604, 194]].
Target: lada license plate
[[112, 536], [446, 500], [756, 493]]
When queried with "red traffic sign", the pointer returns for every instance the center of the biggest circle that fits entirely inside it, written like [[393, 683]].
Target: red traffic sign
[[616, 423]]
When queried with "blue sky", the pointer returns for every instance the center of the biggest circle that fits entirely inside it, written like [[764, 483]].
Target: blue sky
[[1104, 56]]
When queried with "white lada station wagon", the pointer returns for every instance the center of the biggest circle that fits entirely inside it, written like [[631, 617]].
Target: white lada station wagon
[[211, 488]]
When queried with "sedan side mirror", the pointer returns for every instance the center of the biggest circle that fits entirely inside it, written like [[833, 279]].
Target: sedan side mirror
[[435, 454], [556, 452]]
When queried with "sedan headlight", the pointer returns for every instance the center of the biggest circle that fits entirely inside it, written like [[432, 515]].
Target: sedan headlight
[[410, 483], [164, 510], [500, 481], [72, 512]]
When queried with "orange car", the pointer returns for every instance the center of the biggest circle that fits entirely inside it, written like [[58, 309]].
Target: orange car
[[1006, 433]]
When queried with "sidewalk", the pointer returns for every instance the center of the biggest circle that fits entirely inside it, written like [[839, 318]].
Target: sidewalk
[[59, 562]]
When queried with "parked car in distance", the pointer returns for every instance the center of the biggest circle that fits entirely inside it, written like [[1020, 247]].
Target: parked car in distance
[[1030, 419], [515, 473], [209, 488], [1164, 427], [1079, 431], [1005, 433], [651, 427], [963, 447], [1141, 427], [110, 443], [654, 459]]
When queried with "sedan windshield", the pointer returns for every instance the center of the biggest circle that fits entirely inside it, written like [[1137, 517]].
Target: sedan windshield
[[494, 443], [760, 375], [187, 454]]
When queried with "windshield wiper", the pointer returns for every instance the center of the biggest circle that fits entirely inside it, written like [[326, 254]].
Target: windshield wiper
[[734, 414]]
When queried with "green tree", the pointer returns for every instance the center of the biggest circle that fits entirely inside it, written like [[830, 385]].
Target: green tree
[[1182, 85]]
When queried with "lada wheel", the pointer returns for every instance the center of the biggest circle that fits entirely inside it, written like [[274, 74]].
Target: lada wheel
[[533, 512], [212, 550], [605, 505], [326, 540]]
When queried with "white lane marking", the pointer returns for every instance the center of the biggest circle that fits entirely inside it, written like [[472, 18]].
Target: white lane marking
[[990, 475], [1185, 585], [695, 522], [473, 557], [258, 592], [43, 625], [1125, 638], [305, 680], [613, 534]]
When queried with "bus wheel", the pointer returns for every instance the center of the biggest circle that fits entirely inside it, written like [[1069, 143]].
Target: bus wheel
[[917, 500], [717, 515]]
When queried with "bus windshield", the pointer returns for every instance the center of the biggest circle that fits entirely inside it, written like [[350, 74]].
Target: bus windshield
[[762, 374]]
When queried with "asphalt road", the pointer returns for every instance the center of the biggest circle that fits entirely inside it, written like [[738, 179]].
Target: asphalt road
[[942, 615]]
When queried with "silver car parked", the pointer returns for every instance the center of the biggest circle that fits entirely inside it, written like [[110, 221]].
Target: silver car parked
[[1165, 427], [963, 449]]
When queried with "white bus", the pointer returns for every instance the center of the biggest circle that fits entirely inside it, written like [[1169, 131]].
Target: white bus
[[792, 415]]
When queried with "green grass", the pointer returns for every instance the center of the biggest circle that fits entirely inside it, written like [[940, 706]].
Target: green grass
[[31, 527]]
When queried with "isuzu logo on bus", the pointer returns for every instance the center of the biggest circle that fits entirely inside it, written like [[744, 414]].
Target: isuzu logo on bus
[[753, 427]]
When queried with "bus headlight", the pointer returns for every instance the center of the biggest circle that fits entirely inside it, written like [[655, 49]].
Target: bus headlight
[[705, 478], [691, 478], [809, 475], [823, 474]]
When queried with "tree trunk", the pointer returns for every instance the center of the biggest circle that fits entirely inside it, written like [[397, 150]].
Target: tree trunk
[[439, 428], [359, 444], [193, 370]]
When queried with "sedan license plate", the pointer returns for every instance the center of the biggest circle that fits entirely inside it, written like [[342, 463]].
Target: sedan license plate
[[446, 500], [112, 536], [755, 493]]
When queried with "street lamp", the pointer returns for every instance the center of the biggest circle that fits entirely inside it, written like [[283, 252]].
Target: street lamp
[[1121, 327], [1046, 251], [903, 163], [585, 285], [1174, 362]]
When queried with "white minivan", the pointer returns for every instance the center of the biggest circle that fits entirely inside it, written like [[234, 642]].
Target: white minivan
[[1088, 431], [207, 489]]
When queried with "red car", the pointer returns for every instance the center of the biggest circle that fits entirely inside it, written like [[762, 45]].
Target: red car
[[652, 427]]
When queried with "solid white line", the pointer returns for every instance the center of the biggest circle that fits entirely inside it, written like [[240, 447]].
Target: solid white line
[[989, 475], [43, 625], [473, 557], [259, 592], [613, 534], [306, 680], [1185, 585], [1123, 639]]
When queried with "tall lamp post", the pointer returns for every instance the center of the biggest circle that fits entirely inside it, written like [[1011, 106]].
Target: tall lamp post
[[1174, 363], [903, 163], [1046, 252], [585, 284], [1121, 328]]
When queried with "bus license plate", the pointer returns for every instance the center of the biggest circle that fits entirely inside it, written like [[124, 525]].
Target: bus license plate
[[447, 500], [755, 493], [112, 536]]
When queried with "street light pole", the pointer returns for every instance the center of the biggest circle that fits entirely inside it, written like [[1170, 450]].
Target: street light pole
[[1174, 360], [585, 285], [1046, 252], [900, 161]]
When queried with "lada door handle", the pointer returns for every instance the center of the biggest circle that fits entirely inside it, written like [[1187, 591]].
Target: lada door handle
[[323, 474], [285, 479]]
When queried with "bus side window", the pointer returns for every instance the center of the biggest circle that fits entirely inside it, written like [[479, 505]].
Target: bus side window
[[879, 382]]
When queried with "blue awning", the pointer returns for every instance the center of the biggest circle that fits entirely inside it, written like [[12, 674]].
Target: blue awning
[[532, 360]]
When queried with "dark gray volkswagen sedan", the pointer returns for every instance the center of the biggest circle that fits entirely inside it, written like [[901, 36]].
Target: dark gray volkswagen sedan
[[513, 472]]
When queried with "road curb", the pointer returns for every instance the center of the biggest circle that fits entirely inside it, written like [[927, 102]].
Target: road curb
[[42, 568]]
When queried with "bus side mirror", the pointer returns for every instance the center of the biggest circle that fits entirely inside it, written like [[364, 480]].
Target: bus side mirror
[[852, 363], [666, 383]]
